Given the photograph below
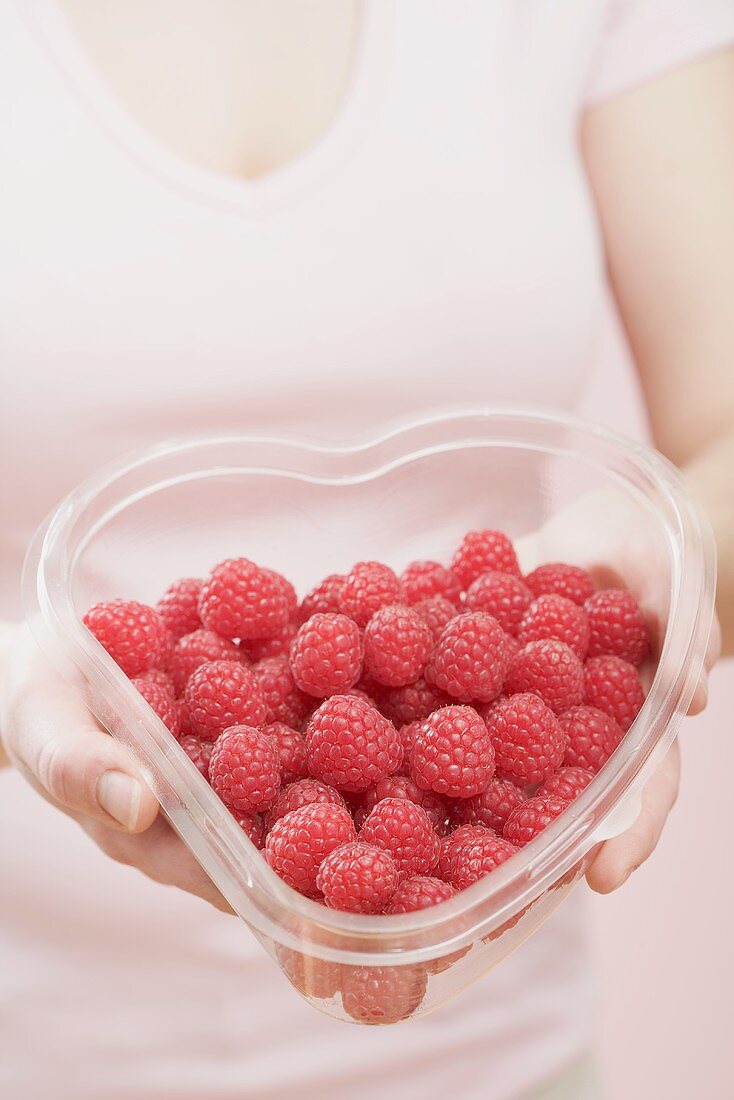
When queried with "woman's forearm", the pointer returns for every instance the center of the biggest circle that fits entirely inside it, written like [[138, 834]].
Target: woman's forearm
[[711, 473]]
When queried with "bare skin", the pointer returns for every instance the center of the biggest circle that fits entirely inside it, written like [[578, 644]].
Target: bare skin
[[661, 164]]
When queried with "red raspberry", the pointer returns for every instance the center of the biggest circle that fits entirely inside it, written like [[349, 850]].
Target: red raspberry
[[160, 678], [299, 842], [397, 644], [383, 994], [513, 648], [552, 670], [244, 769], [283, 699], [612, 685], [491, 808], [351, 745], [592, 737], [291, 596], [451, 844], [357, 879], [412, 703], [368, 587], [559, 579], [199, 752], [323, 599], [291, 748], [221, 694], [179, 606], [452, 753], [423, 579], [618, 627], [261, 649], [528, 740], [239, 599], [314, 978], [408, 735], [436, 612], [470, 658], [479, 857], [252, 826], [133, 634], [162, 702], [326, 655], [401, 786], [404, 830], [535, 814], [420, 892], [194, 650], [303, 792], [559, 618], [502, 595], [567, 783], [484, 552]]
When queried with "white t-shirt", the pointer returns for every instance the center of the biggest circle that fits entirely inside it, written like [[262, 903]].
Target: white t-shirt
[[437, 247]]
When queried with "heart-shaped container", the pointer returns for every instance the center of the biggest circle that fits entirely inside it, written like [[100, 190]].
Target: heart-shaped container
[[562, 488]]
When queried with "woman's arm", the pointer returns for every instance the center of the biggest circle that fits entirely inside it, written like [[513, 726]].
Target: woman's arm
[[661, 164]]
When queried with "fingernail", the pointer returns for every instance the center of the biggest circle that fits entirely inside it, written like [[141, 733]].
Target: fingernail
[[119, 796]]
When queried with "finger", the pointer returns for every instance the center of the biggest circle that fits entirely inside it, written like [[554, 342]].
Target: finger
[[620, 856], [161, 855], [60, 748]]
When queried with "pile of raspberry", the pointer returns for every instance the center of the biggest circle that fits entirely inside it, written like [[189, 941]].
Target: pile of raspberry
[[389, 739]]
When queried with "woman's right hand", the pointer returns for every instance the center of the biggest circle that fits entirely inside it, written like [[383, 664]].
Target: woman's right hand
[[58, 747]]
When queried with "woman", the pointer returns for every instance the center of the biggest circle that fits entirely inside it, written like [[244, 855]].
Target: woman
[[276, 216]]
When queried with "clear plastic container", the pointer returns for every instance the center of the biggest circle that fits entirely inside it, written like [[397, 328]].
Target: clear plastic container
[[563, 488]]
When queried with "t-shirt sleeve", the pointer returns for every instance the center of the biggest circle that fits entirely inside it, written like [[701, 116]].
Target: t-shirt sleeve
[[641, 39]]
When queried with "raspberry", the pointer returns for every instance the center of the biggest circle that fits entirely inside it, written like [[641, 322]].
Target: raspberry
[[552, 670], [187, 726], [221, 694], [368, 587], [291, 748], [199, 752], [351, 745], [592, 737], [484, 552], [403, 829], [436, 612], [133, 634], [303, 792], [162, 702], [326, 655], [252, 826], [452, 753], [291, 596], [408, 735], [401, 786], [567, 783], [423, 579], [284, 701], [239, 599], [383, 994], [159, 677], [528, 740], [299, 842], [556, 617], [618, 626], [502, 595], [244, 769], [194, 650], [559, 579], [179, 606], [420, 892], [470, 658], [412, 703], [490, 808], [357, 879], [535, 814], [451, 844], [612, 685], [397, 644], [312, 977], [261, 649], [513, 648], [323, 599], [479, 857]]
